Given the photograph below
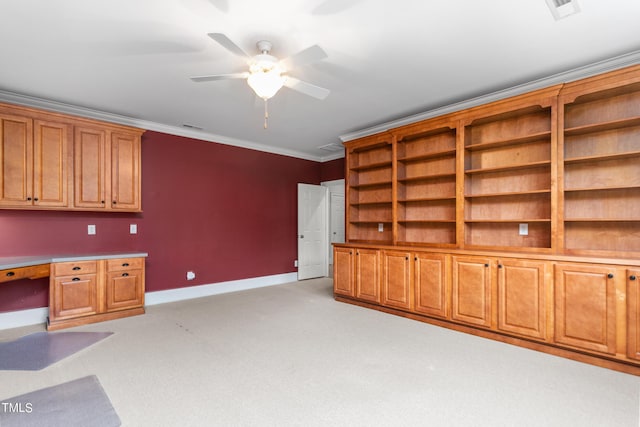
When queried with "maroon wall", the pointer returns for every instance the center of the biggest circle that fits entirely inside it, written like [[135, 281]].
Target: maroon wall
[[330, 171], [225, 212]]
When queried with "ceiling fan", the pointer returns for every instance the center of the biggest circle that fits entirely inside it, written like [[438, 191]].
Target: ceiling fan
[[267, 74]]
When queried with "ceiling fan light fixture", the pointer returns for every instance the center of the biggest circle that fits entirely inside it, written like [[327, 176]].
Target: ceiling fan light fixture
[[266, 83]]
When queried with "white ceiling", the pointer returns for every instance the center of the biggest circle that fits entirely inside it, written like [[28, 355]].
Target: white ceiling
[[386, 59]]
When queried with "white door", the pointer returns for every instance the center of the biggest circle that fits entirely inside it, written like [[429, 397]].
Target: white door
[[313, 222], [336, 230]]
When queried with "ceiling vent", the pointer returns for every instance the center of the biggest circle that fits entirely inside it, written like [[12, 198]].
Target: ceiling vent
[[332, 147], [563, 8]]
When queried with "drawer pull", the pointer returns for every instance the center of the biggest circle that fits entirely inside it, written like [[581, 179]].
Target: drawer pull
[[126, 264], [76, 279], [11, 273], [125, 274], [76, 268]]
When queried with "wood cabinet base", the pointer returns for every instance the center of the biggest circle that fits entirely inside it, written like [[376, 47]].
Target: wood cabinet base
[[95, 318], [578, 356]]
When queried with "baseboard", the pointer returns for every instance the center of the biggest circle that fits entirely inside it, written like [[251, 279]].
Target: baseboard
[[179, 294], [16, 319]]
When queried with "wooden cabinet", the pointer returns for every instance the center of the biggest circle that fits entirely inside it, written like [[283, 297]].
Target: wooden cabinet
[[431, 290], [343, 271], [74, 290], [34, 159], [107, 165], [59, 162], [367, 274], [83, 292], [396, 282], [633, 313], [125, 283], [585, 307], [472, 279], [523, 302]]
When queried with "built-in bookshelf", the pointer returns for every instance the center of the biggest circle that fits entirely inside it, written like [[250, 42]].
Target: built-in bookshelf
[[601, 167], [369, 191], [426, 179], [507, 179]]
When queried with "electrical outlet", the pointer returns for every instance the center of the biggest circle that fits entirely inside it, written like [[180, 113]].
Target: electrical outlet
[[380, 227], [133, 228], [191, 275], [523, 229], [295, 263], [91, 229]]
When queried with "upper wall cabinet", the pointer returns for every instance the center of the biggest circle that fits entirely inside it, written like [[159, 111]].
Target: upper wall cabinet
[[54, 161], [107, 169], [34, 157]]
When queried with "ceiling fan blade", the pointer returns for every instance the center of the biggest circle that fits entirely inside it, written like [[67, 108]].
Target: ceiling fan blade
[[228, 44], [306, 56], [219, 77], [307, 88]]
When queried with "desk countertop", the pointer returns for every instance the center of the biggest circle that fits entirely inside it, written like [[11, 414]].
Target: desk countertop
[[24, 261]]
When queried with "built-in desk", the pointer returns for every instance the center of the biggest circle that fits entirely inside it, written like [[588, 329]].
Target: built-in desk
[[84, 288]]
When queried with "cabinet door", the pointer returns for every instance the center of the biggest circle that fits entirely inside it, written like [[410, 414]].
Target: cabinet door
[[633, 314], [396, 283], [90, 168], [74, 296], [522, 297], [430, 284], [471, 282], [368, 275], [124, 289], [125, 171], [16, 161], [585, 307], [51, 164], [343, 273]]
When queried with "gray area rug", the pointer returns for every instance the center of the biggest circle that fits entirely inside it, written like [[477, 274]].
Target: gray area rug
[[41, 349], [80, 403]]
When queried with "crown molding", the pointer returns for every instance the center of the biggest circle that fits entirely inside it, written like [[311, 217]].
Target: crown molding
[[589, 70], [60, 107]]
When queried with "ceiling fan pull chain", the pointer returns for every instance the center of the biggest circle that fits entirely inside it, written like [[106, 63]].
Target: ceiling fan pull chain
[[266, 114]]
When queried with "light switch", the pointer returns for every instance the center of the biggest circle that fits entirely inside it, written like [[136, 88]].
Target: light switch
[[91, 229], [133, 228]]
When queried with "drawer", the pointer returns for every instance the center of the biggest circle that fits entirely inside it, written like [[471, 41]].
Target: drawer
[[74, 268], [29, 272], [120, 264]]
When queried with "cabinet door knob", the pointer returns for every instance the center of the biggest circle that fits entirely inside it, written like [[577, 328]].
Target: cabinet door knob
[[415, 259], [35, 199], [499, 265], [11, 273], [407, 258], [76, 268], [102, 201], [632, 277], [125, 274], [610, 275], [486, 265], [28, 199], [114, 202]]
